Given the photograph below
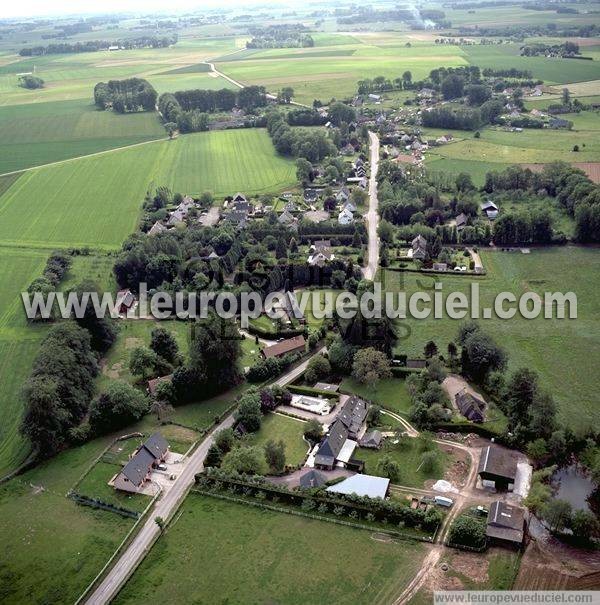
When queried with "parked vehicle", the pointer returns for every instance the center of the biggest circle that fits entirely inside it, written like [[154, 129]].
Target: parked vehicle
[[162, 467], [443, 501]]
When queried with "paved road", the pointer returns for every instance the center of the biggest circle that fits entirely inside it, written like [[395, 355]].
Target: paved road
[[372, 217], [165, 508]]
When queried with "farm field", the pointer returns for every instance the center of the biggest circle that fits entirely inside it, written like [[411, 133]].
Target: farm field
[[61, 199], [41, 133], [570, 347], [289, 430], [211, 543]]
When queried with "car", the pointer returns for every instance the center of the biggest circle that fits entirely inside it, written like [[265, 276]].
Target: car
[[162, 467]]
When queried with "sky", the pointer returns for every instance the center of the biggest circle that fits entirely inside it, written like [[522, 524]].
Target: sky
[[42, 8]]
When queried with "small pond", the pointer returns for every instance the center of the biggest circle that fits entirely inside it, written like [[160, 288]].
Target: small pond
[[574, 486]]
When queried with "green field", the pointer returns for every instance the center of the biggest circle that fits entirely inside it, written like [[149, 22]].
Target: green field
[[290, 430], [559, 350], [40, 133], [255, 556], [96, 201], [390, 393]]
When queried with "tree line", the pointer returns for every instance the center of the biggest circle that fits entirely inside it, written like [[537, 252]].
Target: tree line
[[89, 46]]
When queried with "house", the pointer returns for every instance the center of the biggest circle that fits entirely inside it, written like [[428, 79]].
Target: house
[[292, 308], [470, 406], [136, 473], [440, 267], [490, 209], [461, 221], [156, 229], [312, 479], [360, 171], [497, 468], [373, 97], [152, 384], [353, 415], [345, 217], [336, 449], [113, 47], [505, 524], [419, 248], [318, 257], [362, 485], [125, 301], [349, 205], [297, 344], [342, 195], [176, 217], [372, 439], [239, 197], [310, 196], [286, 218], [291, 207], [237, 218]]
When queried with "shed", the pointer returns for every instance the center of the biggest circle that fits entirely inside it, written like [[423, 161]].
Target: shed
[[497, 468]]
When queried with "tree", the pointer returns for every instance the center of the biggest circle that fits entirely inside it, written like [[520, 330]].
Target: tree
[[370, 366], [452, 350], [313, 430], [557, 513], [171, 128], [225, 440], [275, 455], [430, 462], [341, 356], [585, 525], [119, 405], [467, 531], [303, 170], [249, 413], [281, 248], [537, 450], [103, 330], [373, 415], [142, 361], [389, 468], [214, 456], [431, 349], [318, 367], [286, 94], [480, 355], [356, 240], [340, 112], [161, 523], [452, 87], [245, 460], [163, 343], [162, 409]]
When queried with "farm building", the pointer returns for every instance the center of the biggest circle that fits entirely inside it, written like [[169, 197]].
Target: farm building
[[372, 440], [353, 415], [336, 449], [136, 473], [320, 253], [505, 524], [362, 485], [461, 221], [490, 209], [157, 228], [497, 468], [290, 345], [470, 406]]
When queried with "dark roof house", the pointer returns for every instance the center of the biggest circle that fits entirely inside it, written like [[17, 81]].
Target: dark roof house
[[353, 414], [506, 523], [497, 466], [372, 439], [331, 445], [290, 345], [470, 406]]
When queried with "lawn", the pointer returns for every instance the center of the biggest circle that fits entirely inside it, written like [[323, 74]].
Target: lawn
[[390, 394], [207, 551], [96, 201], [290, 430], [557, 349], [409, 455], [51, 548], [40, 133]]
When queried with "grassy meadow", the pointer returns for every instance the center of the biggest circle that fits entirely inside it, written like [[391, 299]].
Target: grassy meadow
[[41, 133], [289, 430], [564, 352], [294, 560]]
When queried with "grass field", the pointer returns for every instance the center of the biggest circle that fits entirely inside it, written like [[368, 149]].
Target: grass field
[[96, 201], [559, 350], [390, 393], [289, 430], [40, 133], [293, 560]]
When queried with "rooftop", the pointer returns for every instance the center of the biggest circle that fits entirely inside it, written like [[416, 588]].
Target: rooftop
[[362, 485]]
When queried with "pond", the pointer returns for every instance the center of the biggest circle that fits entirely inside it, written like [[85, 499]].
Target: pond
[[574, 486]]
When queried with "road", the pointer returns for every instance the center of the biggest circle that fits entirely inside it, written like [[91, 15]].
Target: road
[[372, 216], [165, 508]]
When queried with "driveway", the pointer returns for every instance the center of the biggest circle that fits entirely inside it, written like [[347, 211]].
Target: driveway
[[454, 384], [372, 216]]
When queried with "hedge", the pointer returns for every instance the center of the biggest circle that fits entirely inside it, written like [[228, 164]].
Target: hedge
[[95, 503], [302, 390]]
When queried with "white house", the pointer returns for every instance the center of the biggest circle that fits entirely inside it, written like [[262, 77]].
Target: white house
[[345, 217]]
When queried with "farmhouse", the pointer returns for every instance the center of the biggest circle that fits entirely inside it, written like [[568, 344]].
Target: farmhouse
[[419, 248], [320, 253], [362, 485], [461, 221], [290, 345], [490, 209], [372, 440], [136, 473], [310, 196], [497, 468], [353, 414], [345, 217], [342, 195], [286, 218], [470, 406], [125, 301], [336, 449], [157, 228], [505, 524]]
